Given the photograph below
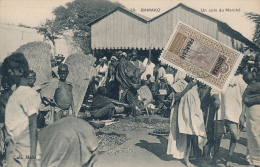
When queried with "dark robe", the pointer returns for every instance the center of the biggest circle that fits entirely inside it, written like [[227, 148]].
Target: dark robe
[[251, 95], [128, 76]]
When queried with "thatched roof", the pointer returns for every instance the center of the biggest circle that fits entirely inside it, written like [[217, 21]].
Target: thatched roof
[[81, 71], [38, 55]]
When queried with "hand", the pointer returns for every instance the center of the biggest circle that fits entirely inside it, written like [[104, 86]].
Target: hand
[[45, 101], [191, 84], [241, 120], [217, 104], [32, 163], [216, 101]]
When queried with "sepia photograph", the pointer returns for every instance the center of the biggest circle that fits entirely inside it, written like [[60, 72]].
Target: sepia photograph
[[129, 83]]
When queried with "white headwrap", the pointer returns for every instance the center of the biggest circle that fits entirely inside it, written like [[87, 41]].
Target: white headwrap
[[179, 75]]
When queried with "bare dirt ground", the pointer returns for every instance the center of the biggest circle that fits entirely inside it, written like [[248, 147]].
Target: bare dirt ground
[[128, 144]]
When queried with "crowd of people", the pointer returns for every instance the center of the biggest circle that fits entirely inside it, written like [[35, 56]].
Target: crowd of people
[[199, 115]]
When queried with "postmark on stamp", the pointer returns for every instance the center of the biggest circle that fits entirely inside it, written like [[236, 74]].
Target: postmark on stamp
[[201, 56]]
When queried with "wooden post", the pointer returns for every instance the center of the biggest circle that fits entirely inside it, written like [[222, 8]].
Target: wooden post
[[150, 54], [149, 42]]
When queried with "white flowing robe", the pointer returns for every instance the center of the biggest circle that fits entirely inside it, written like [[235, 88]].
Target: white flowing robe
[[253, 133], [186, 119]]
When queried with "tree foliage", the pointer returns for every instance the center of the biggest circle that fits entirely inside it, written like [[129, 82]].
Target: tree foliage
[[77, 14], [50, 31], [256, 19]]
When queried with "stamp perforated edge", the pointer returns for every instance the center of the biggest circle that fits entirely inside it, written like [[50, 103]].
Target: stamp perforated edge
[[232, 72]]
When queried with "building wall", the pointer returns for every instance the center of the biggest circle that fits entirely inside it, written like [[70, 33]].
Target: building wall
[[119, 30], [12, 37], [162, 27]]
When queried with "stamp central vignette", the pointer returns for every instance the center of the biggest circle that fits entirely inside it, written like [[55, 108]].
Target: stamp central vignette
[[201, 56]]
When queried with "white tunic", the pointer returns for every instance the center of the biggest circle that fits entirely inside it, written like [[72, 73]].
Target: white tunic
[[231, 100], [23, 103]]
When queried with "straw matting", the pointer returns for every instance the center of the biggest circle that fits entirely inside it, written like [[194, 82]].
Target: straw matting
[[38, 55], [81, 71]]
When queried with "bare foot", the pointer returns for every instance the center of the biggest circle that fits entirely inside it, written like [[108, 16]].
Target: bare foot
[[188, 164], [228, 164]]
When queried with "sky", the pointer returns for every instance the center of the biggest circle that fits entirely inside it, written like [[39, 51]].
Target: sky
[[34, 12]]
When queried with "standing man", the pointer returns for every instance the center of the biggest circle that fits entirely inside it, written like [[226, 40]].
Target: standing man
[[231, 109], [251, 99], [186, 121], [128, 76], [137, 62]]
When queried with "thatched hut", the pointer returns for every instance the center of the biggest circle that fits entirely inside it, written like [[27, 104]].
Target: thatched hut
[[38, 55], [81, 71]]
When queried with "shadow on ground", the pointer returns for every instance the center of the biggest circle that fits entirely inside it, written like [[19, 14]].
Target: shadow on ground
[[242, 140], [237, 158], [158, 149]]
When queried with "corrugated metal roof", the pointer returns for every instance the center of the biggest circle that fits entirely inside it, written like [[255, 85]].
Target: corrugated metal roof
[[223, 31], [133, 14], [119, 31], [225, 27]]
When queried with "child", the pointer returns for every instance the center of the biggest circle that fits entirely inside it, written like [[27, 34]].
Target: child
[[31, 79], [20, 114], [57, 96], [63, 95], [251, 99], [252, 93]]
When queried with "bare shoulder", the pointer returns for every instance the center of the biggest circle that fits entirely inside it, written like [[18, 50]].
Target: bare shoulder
[[69, 84]]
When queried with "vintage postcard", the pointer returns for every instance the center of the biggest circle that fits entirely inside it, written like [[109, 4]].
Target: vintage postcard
[[201, 56], [83, 81]]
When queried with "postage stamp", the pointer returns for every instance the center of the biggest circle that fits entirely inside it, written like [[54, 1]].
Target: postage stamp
[[201, 56]]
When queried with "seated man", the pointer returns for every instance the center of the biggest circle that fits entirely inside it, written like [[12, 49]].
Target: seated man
[[103, 107], [163, 91]]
